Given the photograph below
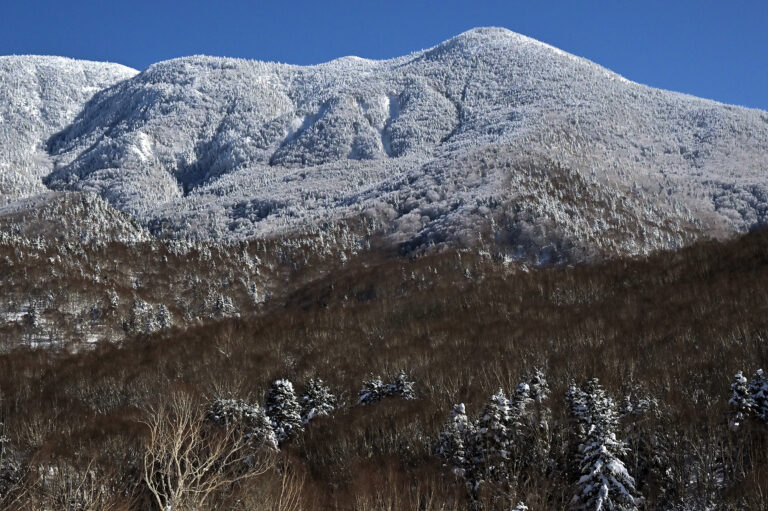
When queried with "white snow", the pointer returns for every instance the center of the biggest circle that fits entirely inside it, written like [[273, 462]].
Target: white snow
[[561, 155]]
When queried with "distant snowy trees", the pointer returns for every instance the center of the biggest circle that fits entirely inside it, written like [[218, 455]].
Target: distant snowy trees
[[283, 416], [146, 318], [503, 440]]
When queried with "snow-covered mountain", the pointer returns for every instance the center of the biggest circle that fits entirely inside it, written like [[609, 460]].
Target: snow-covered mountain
[[38, 97], [489, 133]]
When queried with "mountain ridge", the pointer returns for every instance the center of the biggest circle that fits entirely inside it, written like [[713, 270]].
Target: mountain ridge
[[218, 148]]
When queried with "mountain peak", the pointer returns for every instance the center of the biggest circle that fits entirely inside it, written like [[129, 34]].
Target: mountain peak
[[488, 126]]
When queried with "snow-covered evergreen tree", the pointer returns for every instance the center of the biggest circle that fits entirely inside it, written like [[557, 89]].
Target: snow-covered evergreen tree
[[283, 410], [605, 482], [758, 393], [250, 418], [576, 400], [493, 437], [401, 387], [317, 400], [741, 400], [539, 388], [373, 390], [455, 442]]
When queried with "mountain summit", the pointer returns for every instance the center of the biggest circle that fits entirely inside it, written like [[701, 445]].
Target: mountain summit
[[551, 155]]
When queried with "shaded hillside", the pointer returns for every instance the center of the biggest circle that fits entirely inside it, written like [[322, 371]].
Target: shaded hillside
[[675, 327]]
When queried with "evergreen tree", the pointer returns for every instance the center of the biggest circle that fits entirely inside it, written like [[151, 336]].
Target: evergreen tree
[[317, 400], [373, 390], [758, 393], [539, 388], [455, 441], [741, 400], [576, 400], [249, 418], [493, 437], [605, 482], [283, 410], [401, 387]]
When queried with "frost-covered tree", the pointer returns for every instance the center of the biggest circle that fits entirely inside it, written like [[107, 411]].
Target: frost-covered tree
[[741, 400], [605, 482], [146, 318], [401, 387], [493, 437], [455, 442], [758, 393], [539, 388], [529, 424], [648, 440], [373, 390], [283, 410], [251, 419], [317, 400], [576, 400]]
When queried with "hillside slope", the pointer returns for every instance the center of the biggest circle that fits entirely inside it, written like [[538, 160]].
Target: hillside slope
[[40, 96], [548, 155]]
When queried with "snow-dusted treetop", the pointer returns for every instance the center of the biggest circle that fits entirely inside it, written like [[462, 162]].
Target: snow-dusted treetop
[[569, 155]]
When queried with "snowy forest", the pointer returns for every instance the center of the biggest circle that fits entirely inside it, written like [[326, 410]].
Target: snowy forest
[[442, 381]]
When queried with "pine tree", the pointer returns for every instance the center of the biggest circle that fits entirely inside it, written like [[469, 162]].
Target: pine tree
[[249, 418], [576, 400], [492, 437], [401, 387], [454, 443], [373, 390], [539, 388], [317, 400], [283, 410], [605, 482], [758, 393], [741, 401], [520, 400]]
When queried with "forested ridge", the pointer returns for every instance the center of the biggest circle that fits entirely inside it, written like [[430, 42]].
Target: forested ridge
[[448, 380]]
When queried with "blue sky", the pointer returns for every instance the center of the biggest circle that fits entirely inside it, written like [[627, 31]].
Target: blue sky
[[714, 49]]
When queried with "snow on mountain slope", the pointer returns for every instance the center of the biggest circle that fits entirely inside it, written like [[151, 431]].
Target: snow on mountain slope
[[40, 95], [551, 153]]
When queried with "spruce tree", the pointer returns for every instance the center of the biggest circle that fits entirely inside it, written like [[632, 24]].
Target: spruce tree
[[373, 390], [455, 441], [605, 482], [248, 418], [493, 437], [539, 388], [283, 410], [758, 393], [401, 387], [317, 400], [741, 401]]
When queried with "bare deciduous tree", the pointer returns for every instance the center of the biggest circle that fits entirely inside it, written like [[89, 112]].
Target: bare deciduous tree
[[186, 460]]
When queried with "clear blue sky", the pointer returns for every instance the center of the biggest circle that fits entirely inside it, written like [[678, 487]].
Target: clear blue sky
[[712, 48]]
